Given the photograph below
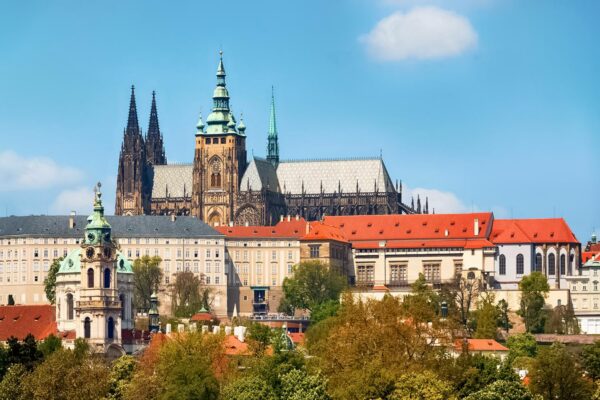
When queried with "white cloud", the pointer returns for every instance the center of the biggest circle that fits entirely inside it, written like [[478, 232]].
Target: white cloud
[[21, 173], [421, 33], [79, 200], [442, 202]]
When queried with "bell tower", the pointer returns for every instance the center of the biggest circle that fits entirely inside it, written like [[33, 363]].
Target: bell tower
[[99, 309], [219, 159]]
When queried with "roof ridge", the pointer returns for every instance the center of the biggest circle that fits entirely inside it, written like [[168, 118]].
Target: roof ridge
[[332, 159]]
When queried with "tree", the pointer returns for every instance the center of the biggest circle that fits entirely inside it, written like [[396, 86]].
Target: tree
[[147, 278], [63, 375], [187, 295], [121, 373], [502, 390], [486, 318], [521, 345], [328, 308], [313, 283], [466, 291], [504, 320], [50, 280], [476, 371], [10, 386], [422, 385], [249, 387], [299, 385], [49, 345], [590, 359], [533, 291], [259, 338], [555, 375]]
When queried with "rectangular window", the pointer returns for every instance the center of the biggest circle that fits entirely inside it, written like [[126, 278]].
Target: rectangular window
[[365, 275], [245, 268], [398, 275], [45, 253], [179, 266], [274, 269], [274, 282], [217, 267], [167, 266], [290, 255], [432, 272], [55, 253], [195, 253], [216, 280], [314, 250], [166, 280], [259, 269], [36, 253], [178, 253], [147, 252], [137, 253], [245, 282], [156, 252], [208, 268], [458, 266], [187, 253], [290, 269], [259, 255], [274, 255], [245, 255], [196, 267], [216, 253], [208, 280]]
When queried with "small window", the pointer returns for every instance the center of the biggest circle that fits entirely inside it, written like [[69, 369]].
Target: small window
[[222, 140], [87, 328], [502, 262], [215, 140], [90, 278], [520, 264], [207, 141]]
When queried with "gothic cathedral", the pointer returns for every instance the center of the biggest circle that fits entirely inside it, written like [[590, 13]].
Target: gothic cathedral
[[222, 187]]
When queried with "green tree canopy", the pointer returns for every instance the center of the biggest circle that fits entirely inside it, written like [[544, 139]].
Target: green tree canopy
[[50, 345], [422, 385], [534, 288], [313, 283], [521, 345], [147, 277], [250, 387], [556, 375], [188, 295], [486, 318], [590, 359], [10, 386], [502, 390], [121, 374], [50, 280], [297, 384]]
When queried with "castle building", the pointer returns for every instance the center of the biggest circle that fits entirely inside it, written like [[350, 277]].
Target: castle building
[[222, 187]]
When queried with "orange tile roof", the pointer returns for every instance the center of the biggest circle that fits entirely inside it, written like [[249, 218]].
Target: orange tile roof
[[202, 316], [320, 231], [293, 229], [21, 320], [480, 345], [416, 227], [297, 337], [235, 347], [541, 230]]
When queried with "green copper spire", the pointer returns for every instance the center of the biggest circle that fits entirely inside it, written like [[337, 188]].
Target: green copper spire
[[219, 119], [98, 229], [272, 142], [200, 126]]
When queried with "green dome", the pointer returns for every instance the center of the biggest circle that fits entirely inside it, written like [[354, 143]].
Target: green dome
[[72, 263]]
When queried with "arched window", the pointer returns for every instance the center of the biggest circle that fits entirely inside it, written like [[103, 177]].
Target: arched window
[[538, 262], [111, 328], [502, 269], [90, 274], [215, 180], [87, 328], [122, 300], [520, 264], [69, 306], [563, 264], [551, 264], [106, 278], [571, 258]]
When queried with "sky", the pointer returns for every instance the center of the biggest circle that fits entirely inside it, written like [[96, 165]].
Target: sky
[[478, 104]]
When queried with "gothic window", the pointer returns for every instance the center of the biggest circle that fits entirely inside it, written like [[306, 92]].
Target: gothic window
[[106, 278], [90, 278], [563, 263], [538, 262], [111, 328], [69, 306], [502, 269], [215, 173], [551, 264], [247, 215], [87, 328], [520, 264]]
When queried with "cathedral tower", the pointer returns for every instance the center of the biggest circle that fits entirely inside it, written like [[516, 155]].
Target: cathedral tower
[[155, 149], [132, 162], [272, 141], [219, 159]]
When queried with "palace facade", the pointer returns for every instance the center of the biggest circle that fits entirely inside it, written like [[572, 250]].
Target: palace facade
[[222, 187]]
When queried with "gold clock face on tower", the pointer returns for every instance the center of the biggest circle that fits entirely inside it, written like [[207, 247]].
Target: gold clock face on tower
[[89, 252], [107, 252]]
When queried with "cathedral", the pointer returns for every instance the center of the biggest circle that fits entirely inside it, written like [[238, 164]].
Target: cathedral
[[222, 187]]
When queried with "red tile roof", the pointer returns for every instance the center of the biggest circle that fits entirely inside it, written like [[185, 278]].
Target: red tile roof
[[542, 230], [320, 231], [202, 316], [292, 229], [21, 320], [412, 227], [480, 345], [297, 337]]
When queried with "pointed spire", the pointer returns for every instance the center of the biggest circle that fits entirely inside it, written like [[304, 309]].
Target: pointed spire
[[221, 70], [218, 120], [153, 129], [241, 126], [272, 140], [200, 125], [132, 121], [272, 119]]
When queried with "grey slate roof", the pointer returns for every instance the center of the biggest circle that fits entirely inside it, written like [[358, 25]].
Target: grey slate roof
[[344, 173], [143, 226], [173, 180], [260, 173]]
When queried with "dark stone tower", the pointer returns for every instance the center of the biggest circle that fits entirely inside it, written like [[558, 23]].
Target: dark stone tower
[[155, 149], [132, 165]]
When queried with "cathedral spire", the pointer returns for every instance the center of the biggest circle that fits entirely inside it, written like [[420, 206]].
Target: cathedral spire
[[272, 141], [153, 129], [132, 121], [218, 120]]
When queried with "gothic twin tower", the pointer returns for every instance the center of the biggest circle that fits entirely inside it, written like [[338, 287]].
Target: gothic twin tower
[[221, 187]]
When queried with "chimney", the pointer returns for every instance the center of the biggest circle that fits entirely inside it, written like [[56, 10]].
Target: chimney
[[307, 227], [246, 223], [289, 218], [297, 217], [281, 218], [173, 217], [72, 220], [476, 226], [230, 223]]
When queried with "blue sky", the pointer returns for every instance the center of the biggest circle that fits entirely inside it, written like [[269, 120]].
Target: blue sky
[[481, 104]]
